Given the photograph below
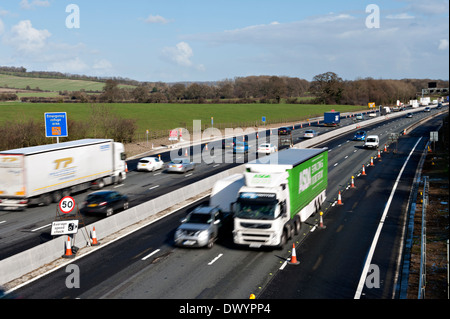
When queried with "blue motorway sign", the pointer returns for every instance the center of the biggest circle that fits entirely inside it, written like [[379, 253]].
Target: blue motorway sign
[[56, 124]]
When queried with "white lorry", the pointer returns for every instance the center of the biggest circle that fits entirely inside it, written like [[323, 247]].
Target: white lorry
[[202, 226], [281, 191], [46, 173]]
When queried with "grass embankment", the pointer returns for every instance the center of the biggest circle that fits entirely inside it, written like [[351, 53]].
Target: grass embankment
[[52, 85], [157, 117]]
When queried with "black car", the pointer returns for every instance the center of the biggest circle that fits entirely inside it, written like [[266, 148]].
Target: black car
[[105, 202], [284, 131]]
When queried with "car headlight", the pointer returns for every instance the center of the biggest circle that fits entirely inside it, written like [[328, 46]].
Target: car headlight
[[178, 233], [202, 234]]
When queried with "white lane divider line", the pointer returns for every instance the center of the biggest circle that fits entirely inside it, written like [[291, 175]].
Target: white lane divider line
[[153, 187], [41, 227], [214, 260], [380, 226], [149, 255]]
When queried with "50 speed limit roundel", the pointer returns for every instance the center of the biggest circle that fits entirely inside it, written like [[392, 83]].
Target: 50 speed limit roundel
[[66, 204]]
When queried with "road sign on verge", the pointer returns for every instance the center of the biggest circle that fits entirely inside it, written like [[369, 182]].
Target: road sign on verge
[[66, 204], [66, 227], [56, 124]]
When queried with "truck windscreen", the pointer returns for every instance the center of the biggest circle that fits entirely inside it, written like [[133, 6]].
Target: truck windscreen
[[256, 209]]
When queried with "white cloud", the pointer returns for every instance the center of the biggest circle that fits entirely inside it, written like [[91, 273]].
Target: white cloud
[[75, 66], [181, 54], [25, 4], [334, 42], [2, 27], [443, 44], [156, 19], [26, 39], [102, 66], [400, 16]]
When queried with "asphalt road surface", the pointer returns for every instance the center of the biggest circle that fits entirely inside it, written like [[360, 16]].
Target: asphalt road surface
[[146, 264]]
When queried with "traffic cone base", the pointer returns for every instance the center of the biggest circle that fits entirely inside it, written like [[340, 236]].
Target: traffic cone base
[[294, 260]]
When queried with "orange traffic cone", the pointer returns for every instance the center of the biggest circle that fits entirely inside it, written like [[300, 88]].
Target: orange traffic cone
[[339, 202], [186, 153], [371, 161], [68, 253], [294, 260], [379, 154], [94, 238], [385, 148], [364, 170], [126, 167], [353, 182], [321, 225]]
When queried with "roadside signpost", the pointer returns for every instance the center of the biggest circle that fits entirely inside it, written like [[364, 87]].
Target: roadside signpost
[[56, 125]]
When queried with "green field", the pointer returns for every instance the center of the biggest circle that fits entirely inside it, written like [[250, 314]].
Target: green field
[[55, 85], [168, 116]]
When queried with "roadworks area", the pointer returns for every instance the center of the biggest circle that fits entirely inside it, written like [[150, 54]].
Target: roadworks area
[[437, 223]]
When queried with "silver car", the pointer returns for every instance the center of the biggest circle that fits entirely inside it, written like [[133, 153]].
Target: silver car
[[180, 165]]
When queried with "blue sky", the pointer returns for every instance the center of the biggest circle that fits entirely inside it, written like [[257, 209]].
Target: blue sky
[[175, 40]]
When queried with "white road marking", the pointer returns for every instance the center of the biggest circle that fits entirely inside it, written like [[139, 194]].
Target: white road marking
[[187, 175], [214, 260], [362, 280], [148, 256], [153, 187], [41, 227]]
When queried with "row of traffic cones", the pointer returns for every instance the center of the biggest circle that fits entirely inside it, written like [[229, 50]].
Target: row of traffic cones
[[72, 250], [352, 185]]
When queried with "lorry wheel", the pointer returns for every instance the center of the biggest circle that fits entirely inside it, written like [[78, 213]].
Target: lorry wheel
[[46, 199], [297, 226], [283, 240], [56, 196]]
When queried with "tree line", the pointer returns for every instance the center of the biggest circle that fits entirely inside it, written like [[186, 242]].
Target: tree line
[[325, 88]]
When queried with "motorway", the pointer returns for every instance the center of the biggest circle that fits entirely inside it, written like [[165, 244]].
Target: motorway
[[146, 264], [21, 230]]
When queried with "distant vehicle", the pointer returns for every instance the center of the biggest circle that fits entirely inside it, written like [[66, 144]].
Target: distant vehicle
[[310, 134], [409, 115], [284, 131], [359, 116], [331, 118], [372, 141], [229, 142], [427, 109], [241, 147], [267, 148], [180, 165], [105, 202], [360, 136], [150, 164]]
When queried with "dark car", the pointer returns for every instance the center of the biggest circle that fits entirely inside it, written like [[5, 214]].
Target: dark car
[[284, 131], [105, 202]]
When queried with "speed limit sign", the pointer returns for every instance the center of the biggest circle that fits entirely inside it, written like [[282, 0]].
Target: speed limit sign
[[67, 204]]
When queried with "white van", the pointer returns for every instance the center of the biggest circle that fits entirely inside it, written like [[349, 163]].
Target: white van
[[372, 141]]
